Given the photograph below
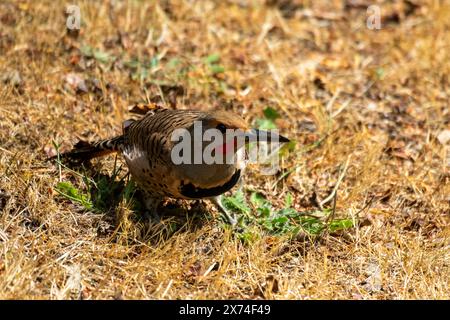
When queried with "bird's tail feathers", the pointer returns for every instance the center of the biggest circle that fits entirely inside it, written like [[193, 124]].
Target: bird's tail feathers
[[85, 151]]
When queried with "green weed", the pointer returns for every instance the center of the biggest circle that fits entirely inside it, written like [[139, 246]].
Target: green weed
[[286, 221]]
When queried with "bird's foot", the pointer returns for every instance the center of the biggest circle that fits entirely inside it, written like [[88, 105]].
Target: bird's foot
[[226, 214], [151, 204]]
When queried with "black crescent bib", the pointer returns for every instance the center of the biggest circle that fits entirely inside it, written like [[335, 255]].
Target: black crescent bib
[[193, 192]]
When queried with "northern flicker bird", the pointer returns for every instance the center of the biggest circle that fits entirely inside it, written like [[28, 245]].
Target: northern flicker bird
[[147, 146]]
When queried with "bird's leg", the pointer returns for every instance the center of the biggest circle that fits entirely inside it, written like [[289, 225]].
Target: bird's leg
[[231, 218], [151, 204]]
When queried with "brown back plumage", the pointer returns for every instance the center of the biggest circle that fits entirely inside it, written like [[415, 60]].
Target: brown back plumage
[[153, 131]]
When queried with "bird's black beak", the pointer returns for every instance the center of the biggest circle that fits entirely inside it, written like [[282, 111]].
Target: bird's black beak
[[255, 135]]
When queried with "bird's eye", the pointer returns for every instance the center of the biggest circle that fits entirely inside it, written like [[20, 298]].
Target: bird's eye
[[221, 127]]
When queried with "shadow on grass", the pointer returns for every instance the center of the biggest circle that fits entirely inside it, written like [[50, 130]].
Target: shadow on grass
[[120, 202]]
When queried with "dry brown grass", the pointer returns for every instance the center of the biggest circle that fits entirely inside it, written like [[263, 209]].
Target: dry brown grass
[[381, 97]]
